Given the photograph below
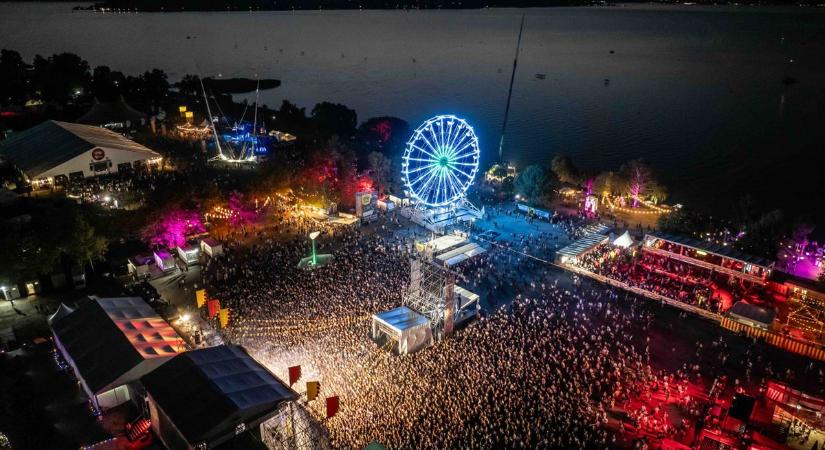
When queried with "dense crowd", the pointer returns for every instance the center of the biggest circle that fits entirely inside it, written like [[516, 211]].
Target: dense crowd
[[539, 372]]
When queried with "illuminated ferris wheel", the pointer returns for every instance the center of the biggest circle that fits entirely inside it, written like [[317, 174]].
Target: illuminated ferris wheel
[[441, 160]]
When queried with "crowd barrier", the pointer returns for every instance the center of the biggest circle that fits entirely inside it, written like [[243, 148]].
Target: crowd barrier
[[809, 349]]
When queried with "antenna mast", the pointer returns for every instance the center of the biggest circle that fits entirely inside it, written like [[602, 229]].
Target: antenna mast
[[510, 91]]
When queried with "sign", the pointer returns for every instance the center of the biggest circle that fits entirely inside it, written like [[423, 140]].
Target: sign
[[200, 297], [212, 307], [312, 390], [98, 154], [365, 203], [223, 316], [294, 374], [332, 406], [529, 210]]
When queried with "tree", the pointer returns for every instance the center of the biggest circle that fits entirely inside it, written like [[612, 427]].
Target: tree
[[334, 119], [381, 169], [190, 85], [61, 77], [682, 221], [13, 87], [85, 245], [292, 119], [107, 85], [171, 228], [606, 184], [565, 170], [535, 184], [761, 237], [639, 180]]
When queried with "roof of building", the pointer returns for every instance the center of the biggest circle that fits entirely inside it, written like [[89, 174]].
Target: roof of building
[[402, 318], [756, 313], [710, 247], [107, 337], [102, 113], [207, 392], [582, 245], [52, 143]]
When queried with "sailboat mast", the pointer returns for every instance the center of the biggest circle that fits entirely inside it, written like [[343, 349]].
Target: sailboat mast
[[510, 91]]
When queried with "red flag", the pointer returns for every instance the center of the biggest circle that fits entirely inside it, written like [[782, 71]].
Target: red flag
[[332, 406], [294, 374], [212, 307]]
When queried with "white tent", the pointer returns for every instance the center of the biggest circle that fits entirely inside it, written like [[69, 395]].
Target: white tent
[[623, 241], [409, 329]]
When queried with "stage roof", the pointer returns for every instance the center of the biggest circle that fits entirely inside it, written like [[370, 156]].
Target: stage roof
[[710, 247], [207, 392], [108, 337], [582, 245], [444, 242], [401, 318], [52, 143], [459, 254]]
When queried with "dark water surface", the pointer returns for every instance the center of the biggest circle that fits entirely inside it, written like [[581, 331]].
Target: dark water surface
[[698, 91]]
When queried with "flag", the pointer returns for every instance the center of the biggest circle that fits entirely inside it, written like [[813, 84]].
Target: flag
[[312, 390], [223, 315], [332, 406], [294, 374], [213, 306], [200, 297]]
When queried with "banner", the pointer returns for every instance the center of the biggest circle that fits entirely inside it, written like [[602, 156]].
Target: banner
[[294, 374], [200, 297], [332, 406], [212, 307], [223, 316], [312, 390]]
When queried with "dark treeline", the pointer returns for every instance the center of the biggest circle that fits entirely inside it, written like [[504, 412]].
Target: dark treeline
[[286, 5]]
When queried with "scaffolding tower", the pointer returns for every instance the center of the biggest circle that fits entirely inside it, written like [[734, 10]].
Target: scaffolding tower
[[431, 293], [294, 428]]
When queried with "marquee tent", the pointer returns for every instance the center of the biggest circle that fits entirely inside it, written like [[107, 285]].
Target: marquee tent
[[54, 149], [206, 397], [112, 342]]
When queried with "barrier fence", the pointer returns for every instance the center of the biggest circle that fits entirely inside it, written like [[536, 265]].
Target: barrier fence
[[810, 349]]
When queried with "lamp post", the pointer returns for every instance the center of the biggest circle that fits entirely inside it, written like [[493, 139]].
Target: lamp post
[[312, 237]]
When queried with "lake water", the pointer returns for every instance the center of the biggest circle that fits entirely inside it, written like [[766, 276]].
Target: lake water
[[697, 91]]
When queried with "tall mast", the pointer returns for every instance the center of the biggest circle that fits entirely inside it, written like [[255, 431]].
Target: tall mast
[[209, 111], [510, 91], [255, 121]]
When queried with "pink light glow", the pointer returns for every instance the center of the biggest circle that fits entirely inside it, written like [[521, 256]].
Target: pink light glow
[[171, 229]]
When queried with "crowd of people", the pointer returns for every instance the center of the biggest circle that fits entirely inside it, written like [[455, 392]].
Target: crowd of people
[[547, 370]]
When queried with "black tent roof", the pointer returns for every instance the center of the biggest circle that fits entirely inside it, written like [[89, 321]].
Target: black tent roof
[[102, 113], [98, 348], [207, 392]]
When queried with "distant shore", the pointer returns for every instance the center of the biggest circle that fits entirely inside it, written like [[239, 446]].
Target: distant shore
[[328, 5]]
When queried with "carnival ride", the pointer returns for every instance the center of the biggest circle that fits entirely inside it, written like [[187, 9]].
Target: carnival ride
[[239, 146], [439, 164]]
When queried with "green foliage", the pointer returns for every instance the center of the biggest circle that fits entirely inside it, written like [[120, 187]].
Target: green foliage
[[381, 170], [535, 184], [334, 119], [565, 170], [55, 228], [13, 87], [761, 236], [683, 222]]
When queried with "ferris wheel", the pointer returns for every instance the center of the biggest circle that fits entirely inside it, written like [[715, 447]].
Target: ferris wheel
[[441, 160]]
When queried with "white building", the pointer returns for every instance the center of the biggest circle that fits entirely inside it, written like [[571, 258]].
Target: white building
[[56, 150]]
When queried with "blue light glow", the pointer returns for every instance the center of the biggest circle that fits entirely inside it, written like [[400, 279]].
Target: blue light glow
[[441, 160]]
